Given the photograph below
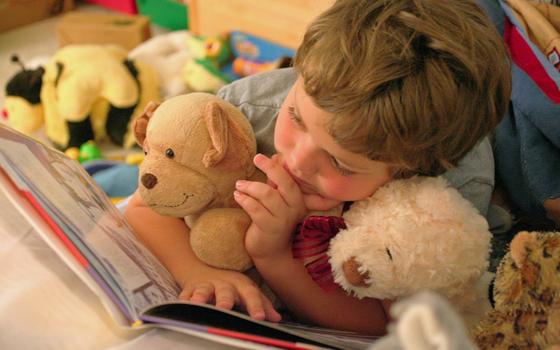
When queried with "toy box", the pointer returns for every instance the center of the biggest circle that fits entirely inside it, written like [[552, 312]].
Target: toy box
[[253, 48], [103, 28], [171, 14], [17, 13]]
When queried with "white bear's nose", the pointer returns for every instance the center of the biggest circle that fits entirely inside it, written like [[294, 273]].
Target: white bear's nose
[[353, 276]]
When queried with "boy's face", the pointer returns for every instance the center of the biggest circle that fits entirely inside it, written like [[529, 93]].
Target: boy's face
[[315, 161]]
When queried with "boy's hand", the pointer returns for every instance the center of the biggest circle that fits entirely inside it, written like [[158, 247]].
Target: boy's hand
[[275, 208], [225, 289]]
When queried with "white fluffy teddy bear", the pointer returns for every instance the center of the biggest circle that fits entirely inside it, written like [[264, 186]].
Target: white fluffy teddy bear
[[413, 235]]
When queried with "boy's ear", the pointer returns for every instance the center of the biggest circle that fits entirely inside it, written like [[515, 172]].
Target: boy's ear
[[140, 124], [230, 148]]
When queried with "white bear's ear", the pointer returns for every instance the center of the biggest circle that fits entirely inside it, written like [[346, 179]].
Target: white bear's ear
[[140, 124], [231, 148]]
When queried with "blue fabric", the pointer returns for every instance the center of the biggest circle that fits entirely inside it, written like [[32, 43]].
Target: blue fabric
[[116, 179], [527, 145]]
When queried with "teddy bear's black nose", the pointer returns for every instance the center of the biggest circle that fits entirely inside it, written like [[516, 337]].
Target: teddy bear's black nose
[[149, 180]]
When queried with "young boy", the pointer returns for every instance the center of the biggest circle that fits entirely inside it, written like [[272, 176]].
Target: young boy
[[381, 90]]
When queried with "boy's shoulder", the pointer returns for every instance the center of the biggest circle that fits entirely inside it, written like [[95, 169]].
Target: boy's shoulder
[[474, 177], [267, 88]]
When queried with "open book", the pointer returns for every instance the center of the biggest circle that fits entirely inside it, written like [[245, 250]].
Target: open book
[[81, 224]]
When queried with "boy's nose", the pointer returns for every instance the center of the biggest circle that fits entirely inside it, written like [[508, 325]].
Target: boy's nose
[[304, 158]]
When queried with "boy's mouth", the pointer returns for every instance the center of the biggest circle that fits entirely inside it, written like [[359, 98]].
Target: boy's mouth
[[296, 179]]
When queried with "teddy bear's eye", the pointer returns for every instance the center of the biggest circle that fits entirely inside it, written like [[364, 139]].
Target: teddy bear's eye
[[170, 153], [389, 253]]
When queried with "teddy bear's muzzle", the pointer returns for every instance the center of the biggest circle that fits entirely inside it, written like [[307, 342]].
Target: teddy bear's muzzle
[[353, 276]]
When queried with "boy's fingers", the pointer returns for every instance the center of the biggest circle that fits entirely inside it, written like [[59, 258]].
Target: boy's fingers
[[288, 188], [249, 203], [225, 300], [271, 314], [254, 303], [186, 293], [274, 171], [202, 293], [225, 297]]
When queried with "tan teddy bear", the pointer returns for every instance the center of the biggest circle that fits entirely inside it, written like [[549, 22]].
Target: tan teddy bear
[[527, 296], [197, 146]]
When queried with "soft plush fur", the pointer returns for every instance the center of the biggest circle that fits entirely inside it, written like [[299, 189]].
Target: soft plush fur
[[412, 235], [86, 92], [197, 146], [527, 296]]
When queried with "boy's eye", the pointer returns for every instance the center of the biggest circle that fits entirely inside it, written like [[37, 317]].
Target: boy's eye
[[295, 119], [340, 169]]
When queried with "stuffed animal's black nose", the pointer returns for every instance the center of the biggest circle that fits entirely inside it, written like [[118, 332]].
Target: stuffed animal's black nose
[[149, 180]]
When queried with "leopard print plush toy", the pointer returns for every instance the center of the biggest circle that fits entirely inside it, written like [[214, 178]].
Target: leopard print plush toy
[[527, 297]]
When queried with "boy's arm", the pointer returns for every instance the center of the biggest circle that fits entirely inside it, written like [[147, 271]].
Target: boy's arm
[[168, 239], [165, 237], [291, 282]]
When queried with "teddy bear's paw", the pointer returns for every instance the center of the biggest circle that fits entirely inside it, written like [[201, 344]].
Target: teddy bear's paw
[[350, 269]]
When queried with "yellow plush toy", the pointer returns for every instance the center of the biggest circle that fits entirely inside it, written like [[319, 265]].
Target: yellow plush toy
[[86, 92]]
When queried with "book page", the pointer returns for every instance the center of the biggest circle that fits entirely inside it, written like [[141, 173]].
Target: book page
[[18, 215], [69, 195]]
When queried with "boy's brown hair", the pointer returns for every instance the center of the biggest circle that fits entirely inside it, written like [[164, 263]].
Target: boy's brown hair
[[413, 83]]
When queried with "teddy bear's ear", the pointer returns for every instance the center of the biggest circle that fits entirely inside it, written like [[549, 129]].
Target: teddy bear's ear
[[522, 244], [140, 124], [231, 148]]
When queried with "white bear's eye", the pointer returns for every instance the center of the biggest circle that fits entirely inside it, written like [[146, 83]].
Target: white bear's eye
[[389, 253], [170, 153]]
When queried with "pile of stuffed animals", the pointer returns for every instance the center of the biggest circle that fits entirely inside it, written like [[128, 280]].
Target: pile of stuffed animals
[[93, 92]]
